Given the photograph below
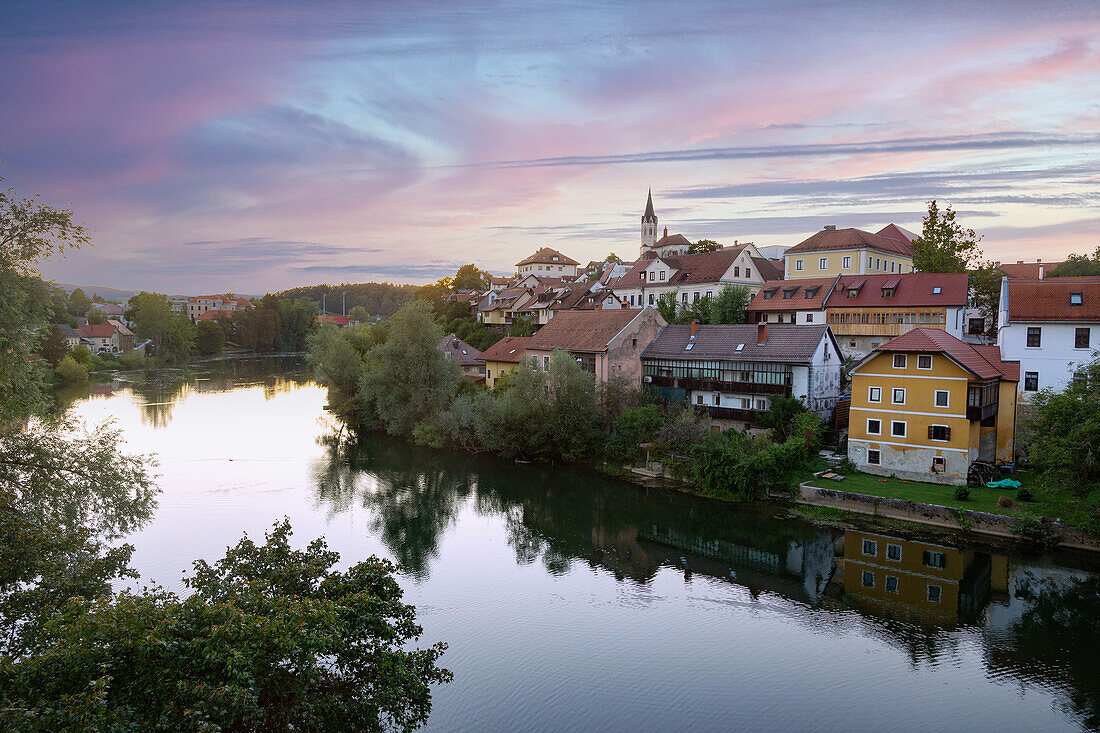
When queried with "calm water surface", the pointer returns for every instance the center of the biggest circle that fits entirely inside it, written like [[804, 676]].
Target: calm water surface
[[574, 602]]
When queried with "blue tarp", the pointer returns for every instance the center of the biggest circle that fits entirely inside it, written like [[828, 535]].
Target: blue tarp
[[1005, 483]]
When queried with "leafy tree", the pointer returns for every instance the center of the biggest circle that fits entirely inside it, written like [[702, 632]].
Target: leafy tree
[[985, 286], [1065, 430], [96, 316], [338, 364], [359, 313], [270, 638], [697, 310], [703, 245], [209, 337], [153, 318], [633, 426], [573, 411], [668, 307], [79, 303], [730, 304], [469, 277], [70, 371], [521, 327], [97, 298], [781, 417], [381, 299], [408, 378], [944, 245], [1077, 265], [54, 346]]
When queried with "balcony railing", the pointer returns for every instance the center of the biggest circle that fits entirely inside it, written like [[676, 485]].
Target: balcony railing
[[718, 385], [981, 412], [729, 413]]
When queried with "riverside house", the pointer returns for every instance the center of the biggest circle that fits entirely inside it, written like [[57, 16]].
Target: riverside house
[[835, 251], [1051, 326], [926, 405], [733, 372], [606, 343], [467, 357], [502, 357]]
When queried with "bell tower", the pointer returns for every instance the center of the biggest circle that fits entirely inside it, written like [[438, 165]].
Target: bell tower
[[649, 225]]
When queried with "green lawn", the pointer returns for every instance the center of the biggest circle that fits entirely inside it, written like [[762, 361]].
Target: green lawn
[[1071, 509]]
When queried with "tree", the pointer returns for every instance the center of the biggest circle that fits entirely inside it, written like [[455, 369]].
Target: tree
[[1077, 265], [79, 302], [668, 307], [359, 313], [209, 337], [54, 346], [1065, 430], [270, 638], [944, 245], [703, 245], [154, 319], [70, 371], [408, 378], [521, 327], [985, 288], [730, 304], [469, 277], [97, 298], [96, 316]]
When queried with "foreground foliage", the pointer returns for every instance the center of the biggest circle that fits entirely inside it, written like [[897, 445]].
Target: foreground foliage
[[1065, 433]]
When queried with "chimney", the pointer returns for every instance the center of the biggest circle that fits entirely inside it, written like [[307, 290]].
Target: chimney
[[694, 328], [761, 334], [830, 227], [1041, 268], [666, 231], [1019, 262], [1038, 259]]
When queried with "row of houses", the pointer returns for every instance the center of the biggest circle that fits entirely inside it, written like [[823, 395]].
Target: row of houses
[[111, 336]]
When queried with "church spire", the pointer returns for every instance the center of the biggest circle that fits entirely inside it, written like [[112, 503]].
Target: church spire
[[649, 216], [649, 225]]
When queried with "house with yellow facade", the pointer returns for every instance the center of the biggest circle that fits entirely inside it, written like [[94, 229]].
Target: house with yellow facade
[[502, 357], [833, 251], [926, 405]]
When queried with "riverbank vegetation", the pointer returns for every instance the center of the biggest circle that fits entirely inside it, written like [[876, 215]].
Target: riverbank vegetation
[[268, 638], [396, 379]]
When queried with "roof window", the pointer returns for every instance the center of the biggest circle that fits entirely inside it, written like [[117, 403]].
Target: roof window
[[1076, 299], [689, 346], [937, 290], [740, 347]]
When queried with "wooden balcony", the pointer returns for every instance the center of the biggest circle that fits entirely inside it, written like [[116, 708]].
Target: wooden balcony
[[717, 385], [981, 412]]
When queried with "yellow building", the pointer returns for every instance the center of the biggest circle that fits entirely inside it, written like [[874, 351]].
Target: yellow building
[[503, 308], [503, 357], [926, 405], [833, 251]]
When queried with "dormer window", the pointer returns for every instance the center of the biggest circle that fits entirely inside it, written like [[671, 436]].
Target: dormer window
[[811, 292], [769, 294], [788, 294], [853, 293], [1076, 299], [888, 292]]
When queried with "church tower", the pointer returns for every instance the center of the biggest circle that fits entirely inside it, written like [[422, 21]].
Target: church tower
[[649, 225]]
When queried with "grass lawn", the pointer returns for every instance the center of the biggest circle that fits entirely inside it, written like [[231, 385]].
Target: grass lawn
[[1071, 509]]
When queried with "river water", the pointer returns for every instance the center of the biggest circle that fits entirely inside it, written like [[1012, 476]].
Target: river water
[[571, 601]]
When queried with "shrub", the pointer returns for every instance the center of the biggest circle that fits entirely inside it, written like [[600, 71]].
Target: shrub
[[962, 493], [1024, 494], [1035, 531], [70, 371]]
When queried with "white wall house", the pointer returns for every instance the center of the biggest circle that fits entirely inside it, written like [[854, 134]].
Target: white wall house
[[1051, 326], [693, 277]]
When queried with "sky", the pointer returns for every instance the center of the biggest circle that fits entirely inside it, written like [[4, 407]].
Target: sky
[[250, 147]]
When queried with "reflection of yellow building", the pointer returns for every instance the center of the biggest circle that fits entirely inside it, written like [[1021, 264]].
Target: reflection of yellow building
[[917, 580], [925, 405]]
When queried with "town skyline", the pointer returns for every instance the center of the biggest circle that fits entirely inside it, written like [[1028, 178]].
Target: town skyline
[[255, 149]]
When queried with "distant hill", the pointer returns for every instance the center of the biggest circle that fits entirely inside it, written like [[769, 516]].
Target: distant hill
[[379, 299], [104, 292]]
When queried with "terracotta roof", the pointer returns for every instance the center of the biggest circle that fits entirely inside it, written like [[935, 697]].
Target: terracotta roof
[[913, 290], [704, 267], [786, 295], [98, 331], [767, 269], [120, 327], [211, 315], [785, 344], [1027, 270], [893, 231], [984, 363], [1049, 299], [670, 240], [547, 256], [507, 298], [828, 239], [459, 350], [509, 349], [581, 330]]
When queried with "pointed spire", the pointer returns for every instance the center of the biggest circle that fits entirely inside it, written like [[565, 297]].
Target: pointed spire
[[649, 215]]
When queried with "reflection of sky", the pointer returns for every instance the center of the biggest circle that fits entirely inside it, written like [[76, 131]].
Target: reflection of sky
[[251, 147], [571, 648]]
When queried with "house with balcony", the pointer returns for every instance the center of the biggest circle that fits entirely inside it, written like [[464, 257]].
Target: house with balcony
[[606, 343], [733, 372], [692, 277], [502, 357], [866, 311], [1051, 326], [501, 309], [926, 405], [850, 251], [791, 301]]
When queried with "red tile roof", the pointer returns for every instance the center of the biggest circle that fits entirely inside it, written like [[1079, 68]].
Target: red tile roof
[[983, 362], [215, 314], [673, 239], [581, 330], [913, 290], [1026, 270], [97, 331], [893, 231], [768, 269], [828, 239], [786, 295], [337, 320], [547, 256], [1049, 299], [509, 349], [704, 267]]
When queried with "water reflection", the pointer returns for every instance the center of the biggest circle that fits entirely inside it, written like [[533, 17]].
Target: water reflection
[[1035, 624]]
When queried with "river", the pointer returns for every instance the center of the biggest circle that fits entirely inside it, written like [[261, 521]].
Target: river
[[571, 601]]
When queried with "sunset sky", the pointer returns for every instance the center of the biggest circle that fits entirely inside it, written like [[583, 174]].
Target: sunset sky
[[256, 146]]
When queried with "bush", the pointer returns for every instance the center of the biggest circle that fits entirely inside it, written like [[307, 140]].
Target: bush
[[70, 371], [962, 493], [133, 360], [1024, 494], [1035, 531]]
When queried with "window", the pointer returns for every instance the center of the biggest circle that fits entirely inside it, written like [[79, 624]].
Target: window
[[798, 264], [695, 297], [943, 398], [546, 363], [870, 548], [717, 400], [939, 432], [897, 428], [873, 457], [662, 274], [809, 318], [893, 553], [868, 579], [748, 273], [1081, 338], [936, 560], [652, 276], [684, 296], [898, 397], [891, 584], [874, 427], [874, 394], [710, 293], [934, 593], [1076, 299], [823, 263], [924, 361], [938, 464], [937, 290], [1034, 337], [651, 298], [737, 272], [900, 361], [977, 326], [878, 263], [699, 399], [870, 263], [846, 263], [1031, 381]]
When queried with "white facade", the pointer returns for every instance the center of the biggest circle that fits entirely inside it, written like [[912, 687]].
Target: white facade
[[658, 274]]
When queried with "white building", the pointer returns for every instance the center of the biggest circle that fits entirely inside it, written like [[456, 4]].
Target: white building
[[1051, 326], [548, 263]]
